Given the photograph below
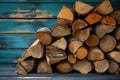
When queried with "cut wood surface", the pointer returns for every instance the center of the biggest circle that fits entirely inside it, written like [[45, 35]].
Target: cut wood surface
[[116, 15], [108, 20], [74, 45], [60, 43], [113, 67], [65, 15], [44, 67], [107, 43], [101, 66], [115, 55], [102, 29], [95, 54], [81, 53], [82, 35], [64, 67], [44, 37], [104, 8], [82, 8], [55, 55], [93, 18], [92, 41], [83, 66], [61, 30], [118, 46], [78, 24], [117, 33], [28, 64], [21, 70], [71, 59]]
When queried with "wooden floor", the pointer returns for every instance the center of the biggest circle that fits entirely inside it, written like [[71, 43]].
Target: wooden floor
[[19, 20]]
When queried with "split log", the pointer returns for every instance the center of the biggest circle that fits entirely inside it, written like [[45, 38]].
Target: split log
[[92, 41], [101, 66], [78, 24], [35, 50], [71, 59], [81, 53], [28, 64], [44, 67], [113, 67], [93, 18], [83, 66], [107, 43], [95, 54], [118, 45], [60, 43], [21, 70], [64, 67], [102, 29], [66, 15], [55, 55], [74, 45], [116, 15], [115, 55], [104, 8], [44, 37], [117, 33], [82, 8], [61, 30], [82, 35], [108, 20], [44, 29]]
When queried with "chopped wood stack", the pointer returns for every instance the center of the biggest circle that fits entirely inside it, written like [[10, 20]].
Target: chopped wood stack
[[84, 39]]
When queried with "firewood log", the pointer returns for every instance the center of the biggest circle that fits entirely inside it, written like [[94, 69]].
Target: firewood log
[[21, 70], [44, 37], [55, 55], [82, 8], [117, 33], [64, 67], [116, 15], [108, 20], [44, 29], [101, 66], [60, 43], [82, 35], [83, 66], [66, 15], [61, 30], [92, 41], [71, 59], [115, 55], [118, 45], [95, 54], [104, 8], [78, 24], [113, 67], [102, 29], [44, 67], [93, 18], [74, 45], [81, 53], [107, 43]]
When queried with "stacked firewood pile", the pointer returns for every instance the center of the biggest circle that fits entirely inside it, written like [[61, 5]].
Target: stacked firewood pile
[[84, 39]]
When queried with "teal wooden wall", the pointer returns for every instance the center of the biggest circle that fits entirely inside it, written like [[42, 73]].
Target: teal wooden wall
[[19, 19]]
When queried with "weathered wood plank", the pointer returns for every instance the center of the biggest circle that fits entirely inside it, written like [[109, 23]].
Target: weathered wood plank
[[16, 40], [54, 0], [38, 10], [25, 25]]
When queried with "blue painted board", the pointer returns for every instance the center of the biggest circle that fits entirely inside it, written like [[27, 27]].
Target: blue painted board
[[54, 0], [25, 25], [16, 40], [37, 10]]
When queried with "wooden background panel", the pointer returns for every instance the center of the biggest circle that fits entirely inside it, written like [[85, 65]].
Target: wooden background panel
[[54, 0], [25, 25], [16, 40], [37, 10]]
